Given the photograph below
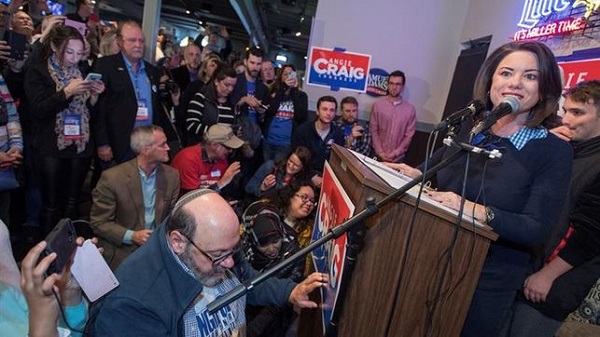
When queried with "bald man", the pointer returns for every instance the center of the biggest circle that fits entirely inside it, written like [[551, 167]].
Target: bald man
[[187, 263], [188, 72]]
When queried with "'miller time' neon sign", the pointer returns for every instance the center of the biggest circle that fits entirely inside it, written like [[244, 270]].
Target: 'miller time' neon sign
[[534, 10]]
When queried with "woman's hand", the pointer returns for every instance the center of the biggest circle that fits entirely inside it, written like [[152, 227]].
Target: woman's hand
[[452, 200], [96, 88], [268, 182], [404, 169], [77, 86], [291, 82]]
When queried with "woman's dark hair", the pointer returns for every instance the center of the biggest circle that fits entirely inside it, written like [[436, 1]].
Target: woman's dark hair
[[549, 83], [279, 83], [223, 71], [59, 36], [283, 198], [303, 153]]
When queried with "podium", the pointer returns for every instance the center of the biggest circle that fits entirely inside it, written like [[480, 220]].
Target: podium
[[409, 280]]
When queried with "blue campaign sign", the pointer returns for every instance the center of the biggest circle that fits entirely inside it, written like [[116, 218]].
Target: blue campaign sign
[[338, 69]]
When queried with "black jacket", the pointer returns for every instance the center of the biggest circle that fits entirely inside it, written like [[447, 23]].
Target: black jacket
[[114, 114]]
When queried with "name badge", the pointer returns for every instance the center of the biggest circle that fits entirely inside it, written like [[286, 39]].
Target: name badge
[[72, 126], [142, 111], [215, 173]]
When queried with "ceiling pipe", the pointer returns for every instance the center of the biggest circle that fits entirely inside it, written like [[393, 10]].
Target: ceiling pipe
[[251, 21]]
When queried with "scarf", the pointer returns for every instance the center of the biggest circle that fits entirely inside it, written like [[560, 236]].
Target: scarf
[[62, 76]]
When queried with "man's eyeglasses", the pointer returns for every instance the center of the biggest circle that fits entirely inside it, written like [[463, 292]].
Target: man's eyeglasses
[[305, 198], [215, 260]]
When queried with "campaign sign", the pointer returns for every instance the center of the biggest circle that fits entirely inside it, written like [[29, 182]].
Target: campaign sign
[[583, 65], [334, 208], [579, 71], [377, 82], [338, 69]]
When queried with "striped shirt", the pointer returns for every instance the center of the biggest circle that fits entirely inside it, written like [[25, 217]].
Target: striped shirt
[[197, 116]]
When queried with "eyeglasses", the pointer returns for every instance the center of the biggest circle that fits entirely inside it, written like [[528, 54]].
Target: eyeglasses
[[305, 198], [214, 260]]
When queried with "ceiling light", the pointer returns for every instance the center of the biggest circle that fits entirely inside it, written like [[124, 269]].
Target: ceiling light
[[298, 33], [187, 11], [281, 58]]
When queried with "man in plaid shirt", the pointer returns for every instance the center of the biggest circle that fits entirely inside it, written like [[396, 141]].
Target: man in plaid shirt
[[356, 132]]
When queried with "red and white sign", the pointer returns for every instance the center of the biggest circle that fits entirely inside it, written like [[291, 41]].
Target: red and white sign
[[579, 71], [334, 208], [338, 69]]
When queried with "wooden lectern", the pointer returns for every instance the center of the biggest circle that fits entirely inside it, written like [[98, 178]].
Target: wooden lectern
[[392, 291]]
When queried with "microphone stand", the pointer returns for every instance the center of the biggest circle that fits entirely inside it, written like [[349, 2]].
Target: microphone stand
[[371, 208]]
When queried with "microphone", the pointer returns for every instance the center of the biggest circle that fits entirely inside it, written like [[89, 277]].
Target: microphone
[[508, 105], [474, 108]]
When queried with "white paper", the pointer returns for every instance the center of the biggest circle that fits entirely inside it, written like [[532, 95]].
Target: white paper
[[397, 180], [91, 272]]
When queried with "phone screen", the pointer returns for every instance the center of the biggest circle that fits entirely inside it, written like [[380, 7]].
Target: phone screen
[[93, 77]]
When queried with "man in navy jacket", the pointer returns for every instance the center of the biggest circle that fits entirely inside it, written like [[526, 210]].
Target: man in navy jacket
[[166, 284]]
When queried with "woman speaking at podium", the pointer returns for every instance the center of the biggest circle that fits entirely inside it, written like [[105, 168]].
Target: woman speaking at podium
[[520, 194]]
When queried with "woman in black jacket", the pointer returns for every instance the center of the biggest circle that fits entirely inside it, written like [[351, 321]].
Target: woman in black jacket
[[59, 98]]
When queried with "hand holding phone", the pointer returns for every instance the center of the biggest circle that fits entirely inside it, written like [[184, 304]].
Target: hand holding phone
[[17, 43], [93, 77], [62, 241]]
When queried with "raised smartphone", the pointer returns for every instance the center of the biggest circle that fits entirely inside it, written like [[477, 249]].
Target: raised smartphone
[[62, 241]]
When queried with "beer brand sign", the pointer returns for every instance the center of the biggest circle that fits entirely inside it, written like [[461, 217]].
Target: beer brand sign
[[535, 11]]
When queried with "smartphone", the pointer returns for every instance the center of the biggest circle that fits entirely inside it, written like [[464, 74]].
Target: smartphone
[[17, 43], [292, 75], [80, 26], [93, 77], [62, 241]]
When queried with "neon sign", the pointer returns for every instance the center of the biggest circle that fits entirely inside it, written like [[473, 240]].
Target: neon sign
[[550, 29], [534, 10]]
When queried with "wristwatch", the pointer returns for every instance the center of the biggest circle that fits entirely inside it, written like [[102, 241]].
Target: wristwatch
[[489, 215]]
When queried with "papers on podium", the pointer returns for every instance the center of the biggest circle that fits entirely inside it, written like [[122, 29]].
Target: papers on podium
[[396, 180]]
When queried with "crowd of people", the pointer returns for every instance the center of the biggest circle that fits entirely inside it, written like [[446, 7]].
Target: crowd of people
[[186, 148]]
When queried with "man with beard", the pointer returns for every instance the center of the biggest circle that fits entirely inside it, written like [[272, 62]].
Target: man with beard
[[188, 72], [356, 132], [392, 122], [166, 285], [250, 92]]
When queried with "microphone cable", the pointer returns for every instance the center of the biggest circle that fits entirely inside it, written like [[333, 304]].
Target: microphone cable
[[407, 240]]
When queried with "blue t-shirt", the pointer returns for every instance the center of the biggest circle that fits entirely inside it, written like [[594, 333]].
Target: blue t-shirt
[[280, 130]]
